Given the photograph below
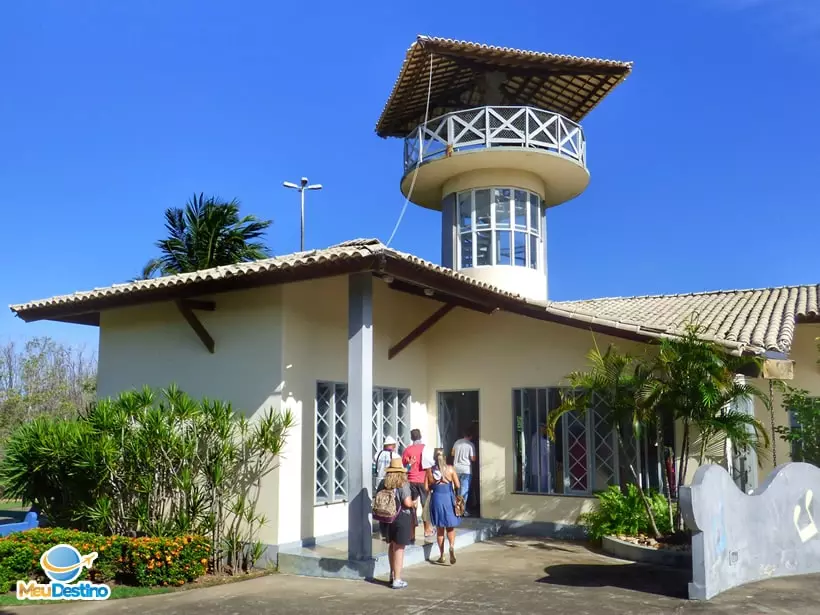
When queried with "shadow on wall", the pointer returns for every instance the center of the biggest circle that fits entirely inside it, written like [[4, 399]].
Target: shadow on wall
[[557, 515], [636, 577]]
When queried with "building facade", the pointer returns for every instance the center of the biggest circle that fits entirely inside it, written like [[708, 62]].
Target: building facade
[[360, 341]]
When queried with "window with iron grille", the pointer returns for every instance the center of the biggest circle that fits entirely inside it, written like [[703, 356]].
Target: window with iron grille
[[390, 417], [499, 226], [584, 455]]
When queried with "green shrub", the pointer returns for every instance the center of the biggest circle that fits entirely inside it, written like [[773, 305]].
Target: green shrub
[[155, 465], [16, 560], [134, 561], [109, 550], [167, 561], [624, 514]]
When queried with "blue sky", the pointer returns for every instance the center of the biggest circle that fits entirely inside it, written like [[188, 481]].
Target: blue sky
[[704, 162]]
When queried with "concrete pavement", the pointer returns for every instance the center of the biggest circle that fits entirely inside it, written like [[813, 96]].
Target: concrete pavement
[[506, 575]]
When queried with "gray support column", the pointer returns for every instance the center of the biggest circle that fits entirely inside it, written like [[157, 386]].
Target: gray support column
[[359, 403]]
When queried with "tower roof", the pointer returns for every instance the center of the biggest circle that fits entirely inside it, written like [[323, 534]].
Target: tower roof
[[568, 85]]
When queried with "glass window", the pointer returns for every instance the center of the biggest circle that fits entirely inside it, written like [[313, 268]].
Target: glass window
[[501, 203], [502, 248], [534, 213], [484, 255], [521, 209], [583, 457], [391, 417], [466, 250], [533, 252], [331, 442], [520, 249], [484, 218], [482, 209], [465, 211]]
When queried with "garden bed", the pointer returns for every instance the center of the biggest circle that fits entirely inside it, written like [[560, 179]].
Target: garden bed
[[672, 552], [142, 562]]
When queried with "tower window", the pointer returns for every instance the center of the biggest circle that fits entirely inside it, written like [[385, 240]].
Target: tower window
[[499, 226]]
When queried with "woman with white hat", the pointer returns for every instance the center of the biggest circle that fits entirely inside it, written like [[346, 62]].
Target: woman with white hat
[[400, 531], [380, 463]]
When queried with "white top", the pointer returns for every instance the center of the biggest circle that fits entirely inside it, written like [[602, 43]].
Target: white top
[[382, 460], [427, 460], [463, 451]]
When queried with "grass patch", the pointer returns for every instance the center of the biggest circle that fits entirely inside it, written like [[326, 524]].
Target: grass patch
[[12, 511], [126, 591]]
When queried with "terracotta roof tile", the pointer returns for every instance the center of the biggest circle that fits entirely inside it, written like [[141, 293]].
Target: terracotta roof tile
[[756, 320], [761, 319], [565, 84]]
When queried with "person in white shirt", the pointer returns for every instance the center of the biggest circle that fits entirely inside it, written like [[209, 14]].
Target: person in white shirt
[[540, 477], [382, 459], [463, 457]]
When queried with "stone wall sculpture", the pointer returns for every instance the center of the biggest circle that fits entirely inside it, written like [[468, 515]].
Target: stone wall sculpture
[[739, 538]]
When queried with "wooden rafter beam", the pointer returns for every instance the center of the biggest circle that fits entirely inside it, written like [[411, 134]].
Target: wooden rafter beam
[[524, 69], [421, 291], [186, 308], [197, 304], [420, 330]]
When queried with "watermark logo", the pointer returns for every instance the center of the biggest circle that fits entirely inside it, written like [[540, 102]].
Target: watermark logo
[[63, 564]]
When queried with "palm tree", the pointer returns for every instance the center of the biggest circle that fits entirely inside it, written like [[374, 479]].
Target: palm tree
[[616, 381], [207, 233], [695, 380]]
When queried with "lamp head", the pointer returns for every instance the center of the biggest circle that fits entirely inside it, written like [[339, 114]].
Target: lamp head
[[304, 182], [290, 185]]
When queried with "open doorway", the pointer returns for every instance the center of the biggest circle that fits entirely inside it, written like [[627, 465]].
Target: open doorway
[[458, 413]]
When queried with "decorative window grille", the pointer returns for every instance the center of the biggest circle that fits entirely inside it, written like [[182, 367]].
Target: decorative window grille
[[583, 457], [499, 226], [331, 442], [390, 416]]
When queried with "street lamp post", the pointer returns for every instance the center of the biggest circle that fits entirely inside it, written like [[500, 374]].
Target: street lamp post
[[303, 185]]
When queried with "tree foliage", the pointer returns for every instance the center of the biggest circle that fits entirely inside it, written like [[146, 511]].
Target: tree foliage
[[616, 381], [695, 380], [623, 513], [207, 232], [804, 434], [690, 379], [148, 465], [43, 378]]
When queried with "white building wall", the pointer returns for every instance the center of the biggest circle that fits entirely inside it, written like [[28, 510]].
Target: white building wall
[[153, 345], [273, 345], [315, 348], [495, 354]]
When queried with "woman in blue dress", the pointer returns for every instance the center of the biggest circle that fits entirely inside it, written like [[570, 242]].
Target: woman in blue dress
[[442, 481]]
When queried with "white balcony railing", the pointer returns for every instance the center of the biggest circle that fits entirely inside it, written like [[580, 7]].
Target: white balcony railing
[[484, 127]]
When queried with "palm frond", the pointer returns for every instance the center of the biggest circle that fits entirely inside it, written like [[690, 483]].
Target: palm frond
[[208, 232]]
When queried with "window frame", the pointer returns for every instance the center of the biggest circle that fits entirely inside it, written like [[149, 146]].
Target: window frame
[[533, 230], [399, 420], [591, 442]]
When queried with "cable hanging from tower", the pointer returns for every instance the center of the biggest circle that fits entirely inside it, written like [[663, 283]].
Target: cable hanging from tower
[[418, 158]]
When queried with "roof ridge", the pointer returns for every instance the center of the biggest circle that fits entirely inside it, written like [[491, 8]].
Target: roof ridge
[[421, 38], [690, 294]]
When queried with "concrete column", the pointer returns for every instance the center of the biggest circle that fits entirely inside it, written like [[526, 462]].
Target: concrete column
[[359, 405]]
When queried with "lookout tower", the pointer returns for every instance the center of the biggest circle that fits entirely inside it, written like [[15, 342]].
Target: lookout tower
[[492, 139]]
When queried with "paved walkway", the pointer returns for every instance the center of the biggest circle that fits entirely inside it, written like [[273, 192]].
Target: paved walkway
[[506, 575]]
